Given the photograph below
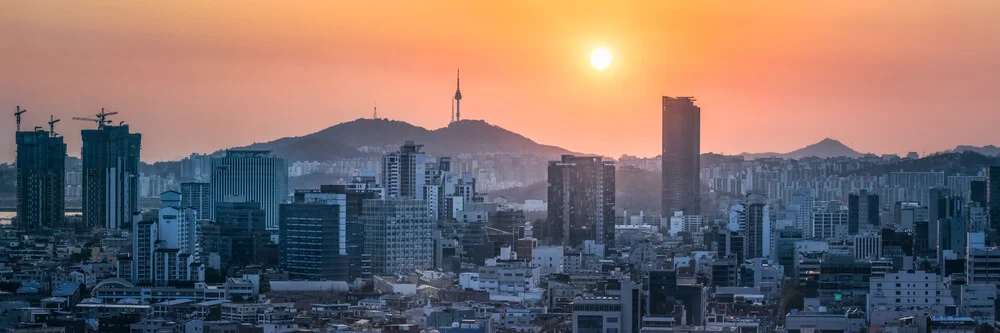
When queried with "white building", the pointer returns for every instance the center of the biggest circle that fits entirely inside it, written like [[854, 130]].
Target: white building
[[906, 293], [549, 259]]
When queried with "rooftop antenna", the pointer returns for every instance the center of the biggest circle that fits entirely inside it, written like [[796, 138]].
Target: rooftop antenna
[[52, 125], [458, 96], [452, 110], [17, 114]]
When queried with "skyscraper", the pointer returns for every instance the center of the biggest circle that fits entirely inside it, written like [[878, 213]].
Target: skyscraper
[[197, 196], [681, 154], [251, 176], [398, 235], [403, 172], [40, 180], [581, 194], [110, 176], [993, 196]]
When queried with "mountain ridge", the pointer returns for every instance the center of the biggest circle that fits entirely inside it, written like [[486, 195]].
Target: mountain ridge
[[825, 148], [348, 139]]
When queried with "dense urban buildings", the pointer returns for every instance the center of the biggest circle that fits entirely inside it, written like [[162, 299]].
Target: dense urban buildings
[[681, 156], [251, 176], [110, 157], [41, 179]]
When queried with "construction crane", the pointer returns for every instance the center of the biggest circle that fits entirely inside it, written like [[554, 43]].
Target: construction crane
[[17, 114], [52, 125], [101, 119]]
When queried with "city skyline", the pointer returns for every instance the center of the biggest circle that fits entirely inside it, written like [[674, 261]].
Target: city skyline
[[326, 64]]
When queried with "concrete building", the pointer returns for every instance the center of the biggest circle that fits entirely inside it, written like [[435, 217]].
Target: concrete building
[[581, 196], [905, 293], [830, 221], [110, 157], [253, 176], [41, 180], [398, 235], [681, 156]]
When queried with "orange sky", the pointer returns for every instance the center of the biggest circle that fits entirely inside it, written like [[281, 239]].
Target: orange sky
[[882, 76]]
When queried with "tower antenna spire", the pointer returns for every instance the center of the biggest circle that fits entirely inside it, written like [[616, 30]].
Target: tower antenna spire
[[458, 96], [17, 114]]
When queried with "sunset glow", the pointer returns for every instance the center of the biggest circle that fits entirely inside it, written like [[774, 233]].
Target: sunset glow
[[802, 68]]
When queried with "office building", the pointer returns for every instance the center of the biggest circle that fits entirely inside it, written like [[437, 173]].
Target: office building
[[581, 201], [238, 235], [863, 212], [404, 172], [844, 281], [314, 236], [993, 197], [398, 235], [681, 156], [662, 293], [110, 157], [197, 196], [868, 246], [830, 221], [252, 176], [41, 180]]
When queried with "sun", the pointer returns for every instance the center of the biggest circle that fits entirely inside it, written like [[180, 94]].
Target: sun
[[600, 58]]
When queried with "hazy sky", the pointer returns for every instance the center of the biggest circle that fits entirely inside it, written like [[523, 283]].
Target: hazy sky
[[197, 76]]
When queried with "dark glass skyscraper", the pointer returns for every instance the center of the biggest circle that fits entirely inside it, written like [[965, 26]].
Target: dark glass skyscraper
[[581, 197], [40, 180], [994, 197], [110, 176], [681, 154]]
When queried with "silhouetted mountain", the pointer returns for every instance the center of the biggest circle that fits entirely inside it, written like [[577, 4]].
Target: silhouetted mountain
[[348, 138], [988, 150], [823, 149]]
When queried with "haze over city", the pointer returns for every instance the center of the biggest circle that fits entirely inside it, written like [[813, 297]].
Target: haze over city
[[881, 76]]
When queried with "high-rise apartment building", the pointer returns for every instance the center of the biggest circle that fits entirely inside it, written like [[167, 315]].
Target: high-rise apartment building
[[40, 180], [581, 194], [398, 235], [165, 244], [404, 172], [681, 156], [251, 176], [197, 196], [110, 157]]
